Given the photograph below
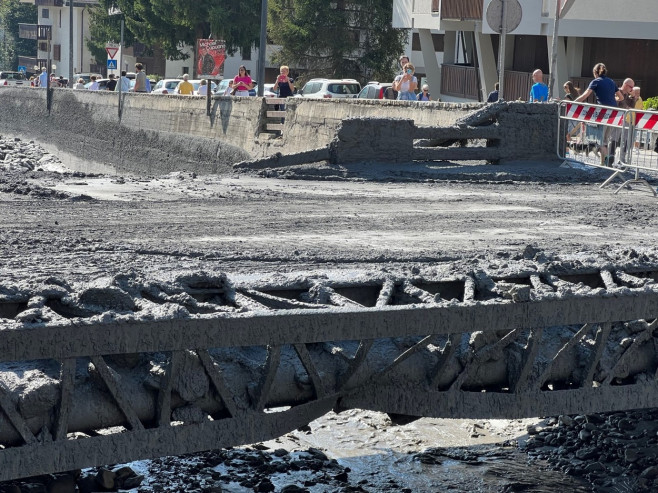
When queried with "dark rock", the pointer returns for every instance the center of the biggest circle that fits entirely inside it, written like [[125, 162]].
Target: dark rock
[[63, 483], [293, 488], [106, 478], [341, 476], [587, 453], [33, 488], [265, 486]]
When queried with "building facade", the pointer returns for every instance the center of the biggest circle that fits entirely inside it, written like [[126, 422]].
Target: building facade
[[56, 14], [623, 35]]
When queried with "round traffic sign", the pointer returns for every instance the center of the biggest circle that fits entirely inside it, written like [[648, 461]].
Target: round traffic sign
[[513, 14]]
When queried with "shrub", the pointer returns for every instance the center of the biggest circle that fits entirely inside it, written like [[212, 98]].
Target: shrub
[[651, 103]]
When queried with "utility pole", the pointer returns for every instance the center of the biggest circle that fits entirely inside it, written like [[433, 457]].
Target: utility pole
[[556, 23], [263, 47], [70, 84], [501, 51]]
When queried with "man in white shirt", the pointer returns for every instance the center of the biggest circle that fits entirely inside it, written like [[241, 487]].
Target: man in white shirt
[[124, 83], [94, 84]]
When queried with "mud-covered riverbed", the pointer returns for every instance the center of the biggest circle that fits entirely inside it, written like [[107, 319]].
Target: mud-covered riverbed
[[78, 226]]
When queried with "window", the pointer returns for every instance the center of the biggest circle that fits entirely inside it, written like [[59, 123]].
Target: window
[[45, 14], [57, 52], [246, 53], [186, 70], [437, 41]]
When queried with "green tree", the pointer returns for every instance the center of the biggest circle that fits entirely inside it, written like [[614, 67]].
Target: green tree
[[343, 38], [12, 13], [174, 24]]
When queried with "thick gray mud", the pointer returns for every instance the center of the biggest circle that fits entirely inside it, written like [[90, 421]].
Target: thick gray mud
[[437, 218]]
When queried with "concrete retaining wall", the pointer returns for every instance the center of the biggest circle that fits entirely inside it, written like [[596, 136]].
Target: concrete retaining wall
[[162, 134]]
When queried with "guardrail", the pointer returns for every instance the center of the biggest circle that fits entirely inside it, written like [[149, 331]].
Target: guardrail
[[609, 138]]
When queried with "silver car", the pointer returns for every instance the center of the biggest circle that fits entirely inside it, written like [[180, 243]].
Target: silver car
[[13, 79], [330, 88]]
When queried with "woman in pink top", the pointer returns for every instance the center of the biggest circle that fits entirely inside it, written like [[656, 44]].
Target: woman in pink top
[[241, 83]]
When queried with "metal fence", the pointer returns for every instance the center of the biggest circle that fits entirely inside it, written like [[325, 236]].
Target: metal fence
[[622, 140]]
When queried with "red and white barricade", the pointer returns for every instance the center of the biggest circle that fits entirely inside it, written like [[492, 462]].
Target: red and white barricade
[[606, 137]]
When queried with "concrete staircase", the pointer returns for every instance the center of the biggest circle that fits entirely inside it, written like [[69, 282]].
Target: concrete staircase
[[273, 117]]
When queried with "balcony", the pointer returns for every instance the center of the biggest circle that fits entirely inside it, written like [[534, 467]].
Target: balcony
[[459, 81], [458, 10], [49, 3]]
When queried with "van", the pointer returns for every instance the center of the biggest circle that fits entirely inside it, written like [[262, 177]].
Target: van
[[13, 79]]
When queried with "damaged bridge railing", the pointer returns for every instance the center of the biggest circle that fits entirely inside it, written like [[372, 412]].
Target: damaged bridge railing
[[220, 364]]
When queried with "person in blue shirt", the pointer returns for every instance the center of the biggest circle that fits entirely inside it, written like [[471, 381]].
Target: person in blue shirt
[[493, 95], [539, 90], [605, 90]]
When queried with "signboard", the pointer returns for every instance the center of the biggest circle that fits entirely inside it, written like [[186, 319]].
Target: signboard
[[22, 68], [111, 64], [112, 50], [210, 56]]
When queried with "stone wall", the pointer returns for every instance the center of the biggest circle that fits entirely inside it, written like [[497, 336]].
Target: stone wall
[[162, 134]]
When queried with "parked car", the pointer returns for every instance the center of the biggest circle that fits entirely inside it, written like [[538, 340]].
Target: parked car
[[102, 84], [268, 91], [330, 88], [222, 87], [165, 86], [13, 79], [377, 90], [86, 76], [197, 82]]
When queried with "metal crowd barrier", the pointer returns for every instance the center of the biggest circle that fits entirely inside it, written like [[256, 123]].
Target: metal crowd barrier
[[583, 128]]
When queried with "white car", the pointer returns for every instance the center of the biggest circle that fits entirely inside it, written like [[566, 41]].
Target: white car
[[86, 77], [268, 91], [166, 86], [197, 82], [13, 79], [330, 88]]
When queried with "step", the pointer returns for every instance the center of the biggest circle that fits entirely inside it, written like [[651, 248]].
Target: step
[[275, 100], [275, 114], [274, 126]]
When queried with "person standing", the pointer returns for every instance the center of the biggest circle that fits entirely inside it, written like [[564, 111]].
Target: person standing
[[493, 95], [406, 84], [112, 83], [241, 83], [625, 101], [43, 77], [283, 86], [80, 84], [203, 88], [424, 95], [571, 91], [94, 84], [140, 78], [624, 94], [124, 83], [606, 95], [539, 90], [185, 87], [402, 61]]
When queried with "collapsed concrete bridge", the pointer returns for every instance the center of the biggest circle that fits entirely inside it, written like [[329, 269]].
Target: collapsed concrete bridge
[[138, 368], [175, 133]]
